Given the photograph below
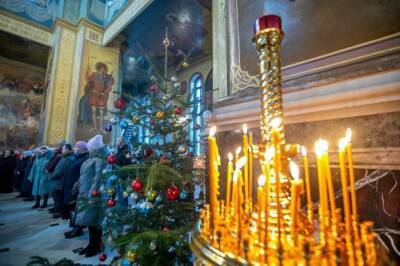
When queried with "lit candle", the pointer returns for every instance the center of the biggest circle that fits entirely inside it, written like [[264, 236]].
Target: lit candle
[[251, 165], [308, 186], [297, 189], [351, 175], [237, 178], [260, 203], [328, 175], [237, 153], [229, 173], [246, 166], [260, 195], [319, 150], [213, 174]]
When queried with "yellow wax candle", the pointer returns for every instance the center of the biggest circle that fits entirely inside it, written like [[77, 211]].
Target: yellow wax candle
[[328, 176], [260, 196], [213, 174], [308, 185], [229, 173], [235, 197], [297, 189], [246, 166], [322, 191], [251, 165], [351, 175], [237, 154], [260, 206]]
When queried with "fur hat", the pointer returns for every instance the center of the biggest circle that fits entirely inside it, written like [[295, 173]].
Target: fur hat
[[95, 143], [82, 145]]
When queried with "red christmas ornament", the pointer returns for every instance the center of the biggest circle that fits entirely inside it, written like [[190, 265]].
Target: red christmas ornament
[[147, 153], [178, 111], [165, 228], [111, 203], [111, 159], [136, 185], [153, 88], [190, 155], [120, 103], [95, 193], [173, 193], [102, 257]]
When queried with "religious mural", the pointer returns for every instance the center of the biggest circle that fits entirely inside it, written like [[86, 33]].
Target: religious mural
[[21, 96], [98, 80]]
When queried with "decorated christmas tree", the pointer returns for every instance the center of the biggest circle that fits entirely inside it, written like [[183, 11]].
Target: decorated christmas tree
[[149, 202]]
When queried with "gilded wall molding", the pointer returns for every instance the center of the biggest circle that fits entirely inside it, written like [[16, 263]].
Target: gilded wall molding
[[241, 79], [373, 94], [24, 29], [57, 122]]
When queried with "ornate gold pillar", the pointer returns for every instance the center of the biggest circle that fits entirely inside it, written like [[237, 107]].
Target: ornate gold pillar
[[59, 91]]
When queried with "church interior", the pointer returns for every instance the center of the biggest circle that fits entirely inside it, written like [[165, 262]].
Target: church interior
[[199, 132]]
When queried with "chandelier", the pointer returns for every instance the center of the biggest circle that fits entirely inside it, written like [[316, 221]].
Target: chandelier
[[269, 227]]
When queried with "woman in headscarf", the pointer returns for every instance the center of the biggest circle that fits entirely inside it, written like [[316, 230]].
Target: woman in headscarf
[[38, 177], [89, 185]]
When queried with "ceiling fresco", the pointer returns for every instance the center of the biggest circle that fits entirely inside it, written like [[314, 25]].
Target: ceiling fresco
[[189, 31], [22, 50]]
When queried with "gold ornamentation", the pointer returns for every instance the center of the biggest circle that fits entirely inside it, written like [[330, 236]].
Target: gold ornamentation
[[59, 108]]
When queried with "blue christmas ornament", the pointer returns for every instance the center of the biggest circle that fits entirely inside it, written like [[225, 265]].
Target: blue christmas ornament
[[124, 123], [107, 169], [183, 195], [113, 178], [108, 127], [159, 199], [141, 60], [145, 207], [126, 263]]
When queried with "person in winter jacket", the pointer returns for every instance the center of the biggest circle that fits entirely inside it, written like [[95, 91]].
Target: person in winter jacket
[[89, 185], [7, 170], [51, 166], [57, 177], [70, 180], [19, 172], [122, 153], [26, 190], [38, 176]]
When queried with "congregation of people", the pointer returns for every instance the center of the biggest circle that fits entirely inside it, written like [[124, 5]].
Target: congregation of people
[[70, 175]]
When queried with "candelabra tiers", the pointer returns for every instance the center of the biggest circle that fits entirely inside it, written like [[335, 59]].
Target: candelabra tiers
[[273, 229]]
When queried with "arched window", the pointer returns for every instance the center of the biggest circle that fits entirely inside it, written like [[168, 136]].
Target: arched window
[[196, 111]]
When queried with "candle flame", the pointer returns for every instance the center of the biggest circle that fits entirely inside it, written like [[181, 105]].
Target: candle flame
[[276, 122], [238, 150], [294, 170], [261, 180], [241, 162], [244, 129], [349, 134], [235, 176], [213, 130], [343, 142], [269, 154], [304, 151], [321, 146], [230, 157]]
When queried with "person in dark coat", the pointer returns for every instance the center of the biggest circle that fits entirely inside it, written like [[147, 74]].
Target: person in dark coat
[[26, 190], [39, 178], [7, 172], [57, 178], [19, 172], [70, 179], [52, 164], [89, 182]]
